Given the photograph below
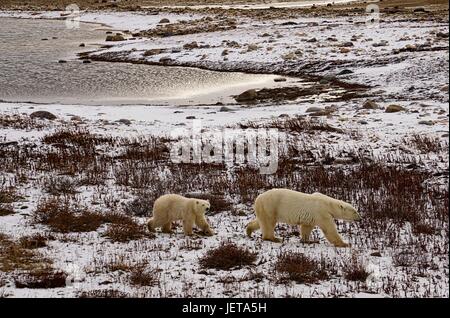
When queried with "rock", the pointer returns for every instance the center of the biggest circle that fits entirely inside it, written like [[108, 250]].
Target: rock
[[62, 61], [370, 104], [444, 88], [345, 72], [75, 118], [394, 109], [249, 95], [152, 52], [289, 56], [381, 43], [314, 109], [82, 45], [347, 44], [115, 38], [87, 62], [419, 10], [362, 122], [225, 52], [279, 79], [42, 114], [345, 50], [442, 35], [165, 60], [252, 47], [376, 254], [410, 47], [190, 46], [283, 116], [426, 122], [190, 117], [324, 112], [124, 121], [225, 109], [312, 40], [165, 20]]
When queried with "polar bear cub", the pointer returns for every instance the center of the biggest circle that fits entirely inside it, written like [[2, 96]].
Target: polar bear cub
[[173, 207], [305, 210]]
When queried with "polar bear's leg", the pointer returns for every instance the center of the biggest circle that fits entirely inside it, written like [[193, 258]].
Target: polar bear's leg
[[268, 231], [203, 225], [330, 231], [306, 232], [167, 227], [188, 223]]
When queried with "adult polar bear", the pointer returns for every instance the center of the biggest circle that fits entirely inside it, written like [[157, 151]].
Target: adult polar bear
[[173, 207], [306, 210]]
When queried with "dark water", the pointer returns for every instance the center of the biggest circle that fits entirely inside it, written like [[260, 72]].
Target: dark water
[[29, 70]]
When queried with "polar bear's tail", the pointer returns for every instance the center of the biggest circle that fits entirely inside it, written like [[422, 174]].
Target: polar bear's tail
[[252, 226]]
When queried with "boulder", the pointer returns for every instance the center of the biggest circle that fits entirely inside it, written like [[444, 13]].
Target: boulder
[[394, 108], [190, 46], [314, 109], [249, 95], [370, 104], [115, 38], [165, 20], [42, 114]]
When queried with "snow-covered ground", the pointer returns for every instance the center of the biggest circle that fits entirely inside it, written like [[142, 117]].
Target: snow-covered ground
[[416, 79]]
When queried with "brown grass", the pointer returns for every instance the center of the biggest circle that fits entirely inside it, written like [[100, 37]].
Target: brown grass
[[61, 217], [426, 143], [33, 241], [124, 232], [8, 195], [228, 256], [300, 268], [60, 185], [295, 124], [102, 293], [423, 228], [144, 277], [354, 270], [6, 209], [14, 257], [42, 279]]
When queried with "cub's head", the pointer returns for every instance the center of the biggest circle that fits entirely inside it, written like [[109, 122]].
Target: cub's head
[[202, 206], [348, 212]]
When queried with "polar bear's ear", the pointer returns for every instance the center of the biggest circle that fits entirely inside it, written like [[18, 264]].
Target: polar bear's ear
[[341, 206]]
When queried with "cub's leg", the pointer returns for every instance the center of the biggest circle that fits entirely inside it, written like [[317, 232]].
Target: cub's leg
[[251, 227], [155, 222], [188, 223], [151, 225], [201, 222], [332, 235], [305, 231]]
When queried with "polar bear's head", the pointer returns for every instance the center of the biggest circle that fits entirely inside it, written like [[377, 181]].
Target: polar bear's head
[[202, 206], [339, 209], [348, 212]]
